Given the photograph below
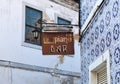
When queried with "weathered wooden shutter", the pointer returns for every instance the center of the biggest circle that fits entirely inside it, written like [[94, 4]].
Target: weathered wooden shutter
[[102, 76]]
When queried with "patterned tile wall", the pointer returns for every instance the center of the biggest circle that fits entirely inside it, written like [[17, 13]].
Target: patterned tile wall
[[103, 34], [86, 7]]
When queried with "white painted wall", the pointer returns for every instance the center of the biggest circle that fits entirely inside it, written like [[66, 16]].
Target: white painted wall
[[30, 77], [11, 33], [5, 75]]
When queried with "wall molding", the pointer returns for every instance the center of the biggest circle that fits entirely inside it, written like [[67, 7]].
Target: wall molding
[[11, 64]]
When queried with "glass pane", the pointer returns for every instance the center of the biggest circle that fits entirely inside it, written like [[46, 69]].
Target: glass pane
[[28, 20], [29, 38], [63, 21], [35, 14], [28, 33], [32, 17], [33, 22], [27, 11]]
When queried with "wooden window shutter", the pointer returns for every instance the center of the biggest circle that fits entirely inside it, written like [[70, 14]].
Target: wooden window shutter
[[102, 76]]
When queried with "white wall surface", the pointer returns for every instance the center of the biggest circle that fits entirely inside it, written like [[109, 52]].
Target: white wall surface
[[19, 76], [11, 26], [30, 77], [5, 75]]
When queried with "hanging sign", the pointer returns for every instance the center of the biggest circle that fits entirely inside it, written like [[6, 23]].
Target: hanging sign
[[57, 43]]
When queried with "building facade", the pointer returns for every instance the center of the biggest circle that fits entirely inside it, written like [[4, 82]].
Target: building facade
[[21, 59], [100, 42]]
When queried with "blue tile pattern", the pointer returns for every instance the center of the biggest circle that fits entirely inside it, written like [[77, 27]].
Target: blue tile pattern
[[107, 18], [108, 39], [115, 8], [103, 34], [117, 55], [117, 77], [116, 32]]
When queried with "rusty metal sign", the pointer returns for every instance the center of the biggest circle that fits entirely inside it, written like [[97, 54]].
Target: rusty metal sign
[[57, 43]]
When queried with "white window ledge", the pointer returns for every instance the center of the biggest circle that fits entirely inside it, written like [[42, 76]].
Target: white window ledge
[[31, 46]]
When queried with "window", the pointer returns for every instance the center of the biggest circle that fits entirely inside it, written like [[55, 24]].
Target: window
[[99, 70], [102, 76], [62, 21], [33, 25]]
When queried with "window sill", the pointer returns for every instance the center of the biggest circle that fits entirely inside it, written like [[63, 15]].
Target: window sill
[[31, 46]]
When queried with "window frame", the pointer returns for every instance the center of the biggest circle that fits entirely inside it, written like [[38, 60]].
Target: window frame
[[26, 44], [101, 61], [29, 25]]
